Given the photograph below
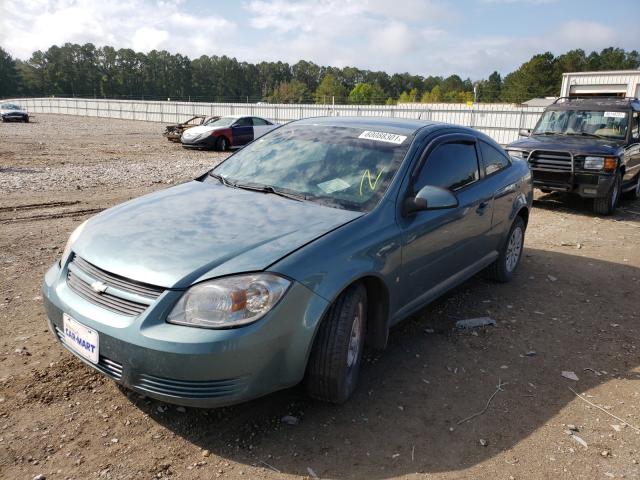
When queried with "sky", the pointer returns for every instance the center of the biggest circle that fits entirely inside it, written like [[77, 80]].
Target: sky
[[471, 38]]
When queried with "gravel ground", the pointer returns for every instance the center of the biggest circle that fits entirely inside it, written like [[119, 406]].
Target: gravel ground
[[574, 306]]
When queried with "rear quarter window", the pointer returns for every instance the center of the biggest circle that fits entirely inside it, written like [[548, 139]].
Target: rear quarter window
[[493, 160]]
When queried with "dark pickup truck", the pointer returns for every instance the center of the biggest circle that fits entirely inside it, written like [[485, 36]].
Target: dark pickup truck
[[588, 146]]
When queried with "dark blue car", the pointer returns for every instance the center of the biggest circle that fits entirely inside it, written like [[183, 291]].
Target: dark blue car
[[284, 261]]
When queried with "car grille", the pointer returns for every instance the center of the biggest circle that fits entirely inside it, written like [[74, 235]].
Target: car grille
[[551, 161], [105, 365], [82, 274], [191, 389]]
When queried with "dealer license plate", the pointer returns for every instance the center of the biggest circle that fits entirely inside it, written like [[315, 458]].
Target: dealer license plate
[[82, 340]]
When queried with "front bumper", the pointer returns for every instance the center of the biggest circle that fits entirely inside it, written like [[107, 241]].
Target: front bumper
[[15, 117], [206, 142], [585, 184], [193, 366]]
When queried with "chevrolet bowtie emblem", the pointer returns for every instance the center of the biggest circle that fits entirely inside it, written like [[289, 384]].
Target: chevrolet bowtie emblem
[[98, 287]]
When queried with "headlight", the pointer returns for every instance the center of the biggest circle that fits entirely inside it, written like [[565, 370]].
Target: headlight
[[229, 302], [593, 163], [518, 154], [72, 239]]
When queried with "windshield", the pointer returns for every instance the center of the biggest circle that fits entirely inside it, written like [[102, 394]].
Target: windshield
[[336, 166], [9, 106], [610, 125], [221, 121]]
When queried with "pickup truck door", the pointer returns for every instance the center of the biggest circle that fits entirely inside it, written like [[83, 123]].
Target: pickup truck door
[[440, 246]]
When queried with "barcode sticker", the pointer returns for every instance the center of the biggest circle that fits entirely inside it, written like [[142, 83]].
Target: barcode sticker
[[383, 137], [615, 114]]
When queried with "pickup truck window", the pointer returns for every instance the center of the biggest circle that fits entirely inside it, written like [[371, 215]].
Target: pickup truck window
[[590, 123]]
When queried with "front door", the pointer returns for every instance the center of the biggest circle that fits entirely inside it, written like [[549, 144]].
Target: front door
[[242, 131], [441, 246]]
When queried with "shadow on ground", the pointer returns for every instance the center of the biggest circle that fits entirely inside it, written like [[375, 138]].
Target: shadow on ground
[[628, 210], [404, 416]]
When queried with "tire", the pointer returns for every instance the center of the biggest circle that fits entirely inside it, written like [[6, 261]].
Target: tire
[[635, 193], [222, 144], [505, 266], [606, 205], [336, 357], [26, 120]]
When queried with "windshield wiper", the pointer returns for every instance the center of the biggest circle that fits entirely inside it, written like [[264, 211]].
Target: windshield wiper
[[548, 132], [222, 179], [586, 134], [270, 189]]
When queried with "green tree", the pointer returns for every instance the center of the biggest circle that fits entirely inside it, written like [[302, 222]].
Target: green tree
[[534, 78], [409, 97], [329, 89], [489, 90], [290, 92], [434, 96], [366, 94], [8, 75]]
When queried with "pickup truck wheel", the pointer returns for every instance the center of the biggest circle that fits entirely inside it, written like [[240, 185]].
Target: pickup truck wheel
[[606, 205], [222, 144], [503, 269], [635, 193], [334, 364]]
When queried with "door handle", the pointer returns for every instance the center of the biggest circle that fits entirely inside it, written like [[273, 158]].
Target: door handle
[[482, 207]]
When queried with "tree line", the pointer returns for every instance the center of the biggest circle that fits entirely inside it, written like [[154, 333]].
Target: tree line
[[106, 72]]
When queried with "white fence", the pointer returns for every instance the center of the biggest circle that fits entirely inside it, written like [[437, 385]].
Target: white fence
[[500, 121]]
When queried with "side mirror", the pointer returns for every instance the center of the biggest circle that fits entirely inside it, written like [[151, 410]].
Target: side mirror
[[524, 132], [430, 198]]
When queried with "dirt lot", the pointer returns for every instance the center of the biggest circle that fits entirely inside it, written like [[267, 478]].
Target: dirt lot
[[574, 306]]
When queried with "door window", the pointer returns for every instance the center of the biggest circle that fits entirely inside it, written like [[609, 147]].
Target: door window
[[257, 121], [492, 159], [243, 122], [450, 165]]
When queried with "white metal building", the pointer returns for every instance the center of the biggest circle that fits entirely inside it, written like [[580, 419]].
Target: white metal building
[[623, 83]]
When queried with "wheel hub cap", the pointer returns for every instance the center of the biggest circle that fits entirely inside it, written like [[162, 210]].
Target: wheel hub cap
[[514, 249], [354, 338]]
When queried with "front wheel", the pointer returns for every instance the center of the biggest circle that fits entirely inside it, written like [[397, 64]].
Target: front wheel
[[222, 144], [503, 269], [606, 205], [334, 364], [26, 119]]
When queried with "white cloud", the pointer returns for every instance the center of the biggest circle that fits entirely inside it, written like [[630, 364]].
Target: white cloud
[[139, 24], [425, 37], [148, 38]]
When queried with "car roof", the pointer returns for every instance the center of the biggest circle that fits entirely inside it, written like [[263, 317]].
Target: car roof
[[392, 125], [596, 103]]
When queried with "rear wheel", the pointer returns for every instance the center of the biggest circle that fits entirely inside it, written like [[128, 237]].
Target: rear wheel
[[503, 269], [635, 193], [26, 119], [606, 205], [222, 144], [334, 364]]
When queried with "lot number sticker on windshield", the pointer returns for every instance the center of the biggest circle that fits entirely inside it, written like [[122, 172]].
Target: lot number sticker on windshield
[[383, 137], [615, 114]]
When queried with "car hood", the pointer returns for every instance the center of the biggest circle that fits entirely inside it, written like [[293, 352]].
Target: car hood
[[5, 111], [193, 132], [575, 145], [197, 230]]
